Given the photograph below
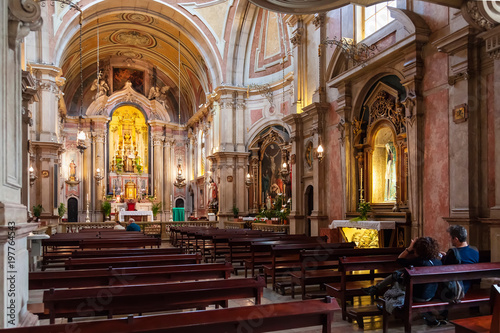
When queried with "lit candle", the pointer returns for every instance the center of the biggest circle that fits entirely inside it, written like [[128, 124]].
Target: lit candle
[[361, 177]]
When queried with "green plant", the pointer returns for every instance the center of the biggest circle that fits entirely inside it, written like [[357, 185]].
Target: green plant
[[363, 209], [106, 208], [155, 208], [61, 210], [37, 210], [138, 167], [235, 211]]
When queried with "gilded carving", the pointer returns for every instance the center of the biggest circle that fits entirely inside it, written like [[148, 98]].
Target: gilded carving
[[386, 107], [319, 20], [297, 37]]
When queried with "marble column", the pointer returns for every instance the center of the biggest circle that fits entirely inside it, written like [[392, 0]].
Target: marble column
[[167, 177], [297, 214], [158, 166], [492, 38], [100, 141], [17, 19], [300, 55]]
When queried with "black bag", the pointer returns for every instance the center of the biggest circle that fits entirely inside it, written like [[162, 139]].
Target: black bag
[[453, 291]]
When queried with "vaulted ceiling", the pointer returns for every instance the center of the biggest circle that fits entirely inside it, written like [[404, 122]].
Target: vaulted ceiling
[[135, 35]]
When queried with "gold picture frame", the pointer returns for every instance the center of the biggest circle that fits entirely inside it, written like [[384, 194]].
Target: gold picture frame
[[460, 113]]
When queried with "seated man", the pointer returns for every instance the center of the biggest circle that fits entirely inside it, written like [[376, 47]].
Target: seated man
[[132, 226], [468, 255]]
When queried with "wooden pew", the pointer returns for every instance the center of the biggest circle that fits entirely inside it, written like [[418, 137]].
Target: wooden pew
[[314, 272], [432, 274], [291, 253], [257, 318], [70, 303], [129, 275], [256, 260], [105, 262], [482, 324], [350, 284], [49, 260]]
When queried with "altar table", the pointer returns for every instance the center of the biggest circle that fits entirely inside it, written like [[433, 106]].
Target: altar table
[[135, 213], [373, 225]]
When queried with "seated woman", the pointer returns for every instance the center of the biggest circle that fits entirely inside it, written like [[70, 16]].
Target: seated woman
[[423, 251]]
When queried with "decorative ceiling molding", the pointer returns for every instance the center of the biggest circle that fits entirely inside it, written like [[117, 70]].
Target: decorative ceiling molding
[[214, 15], [318, 6]]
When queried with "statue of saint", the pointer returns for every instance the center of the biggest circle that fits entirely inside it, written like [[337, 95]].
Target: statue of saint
[[72, 170]]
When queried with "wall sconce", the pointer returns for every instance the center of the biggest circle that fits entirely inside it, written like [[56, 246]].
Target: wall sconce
[[81, 142], [179, 180], [285, 173], [248, 180], [320, 152], [33, 177], [98, 177]]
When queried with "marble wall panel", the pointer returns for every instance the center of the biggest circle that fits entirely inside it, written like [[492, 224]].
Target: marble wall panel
[[333, 168], [436, 182], [436, 73], [491, 140], [435, 16]]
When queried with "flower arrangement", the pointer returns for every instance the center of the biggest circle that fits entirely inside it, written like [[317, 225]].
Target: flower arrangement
[[363, 209]]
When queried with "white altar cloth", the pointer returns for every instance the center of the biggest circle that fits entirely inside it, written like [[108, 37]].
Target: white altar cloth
[[377, 225], [132, 213]]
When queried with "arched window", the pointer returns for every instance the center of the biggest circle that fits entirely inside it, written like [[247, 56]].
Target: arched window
[[370, 19]]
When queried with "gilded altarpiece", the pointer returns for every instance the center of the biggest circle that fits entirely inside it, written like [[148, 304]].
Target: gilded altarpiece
[[128, 148], [382, 153]]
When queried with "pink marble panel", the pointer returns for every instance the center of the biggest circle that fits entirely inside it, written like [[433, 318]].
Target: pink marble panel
[[255, 115], [333, 167], [491, 140], [285, 109], [436, 70], [436, 16], [436, 181]]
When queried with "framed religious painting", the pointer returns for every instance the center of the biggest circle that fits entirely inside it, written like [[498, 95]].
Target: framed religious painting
[[460, 113], [309, 154]]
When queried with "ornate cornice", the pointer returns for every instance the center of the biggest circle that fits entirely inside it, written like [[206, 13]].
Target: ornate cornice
[[475, 12], [24, 16]]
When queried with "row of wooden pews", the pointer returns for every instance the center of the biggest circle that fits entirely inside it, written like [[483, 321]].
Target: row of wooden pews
[[120, 279]]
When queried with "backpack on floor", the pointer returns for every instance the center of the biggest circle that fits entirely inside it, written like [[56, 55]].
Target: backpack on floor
[[453, 291]]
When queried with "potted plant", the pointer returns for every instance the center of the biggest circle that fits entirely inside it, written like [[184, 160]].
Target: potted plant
[[155, 208], [363, 209], [37, 211], [106, 209], [235, 212], [61, 210]]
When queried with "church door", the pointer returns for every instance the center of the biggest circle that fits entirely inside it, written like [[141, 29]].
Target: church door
[[309, 208], [72, 210]]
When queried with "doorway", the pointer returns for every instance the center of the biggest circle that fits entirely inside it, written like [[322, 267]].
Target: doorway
[[309, 200], [72, 210]]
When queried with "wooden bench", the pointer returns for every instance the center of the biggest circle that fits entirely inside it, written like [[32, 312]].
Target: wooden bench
[[130, 275], [314, 272], [350, 283], [434, 274], [126, 299], [105, 262], [257, 318], [482, 324], [53, 260], [256, 260], [291, 252]]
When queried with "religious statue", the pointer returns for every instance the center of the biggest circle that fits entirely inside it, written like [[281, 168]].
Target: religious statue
[[72, 171], [390, 173], [154, 92], [213, 203], [101, 86]]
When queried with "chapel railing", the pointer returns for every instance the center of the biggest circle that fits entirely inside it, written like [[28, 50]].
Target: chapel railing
[[271, 227], [156, 228], [234, 225]]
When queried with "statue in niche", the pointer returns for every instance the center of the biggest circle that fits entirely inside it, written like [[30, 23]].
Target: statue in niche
[[72, 171], [390, 172]]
